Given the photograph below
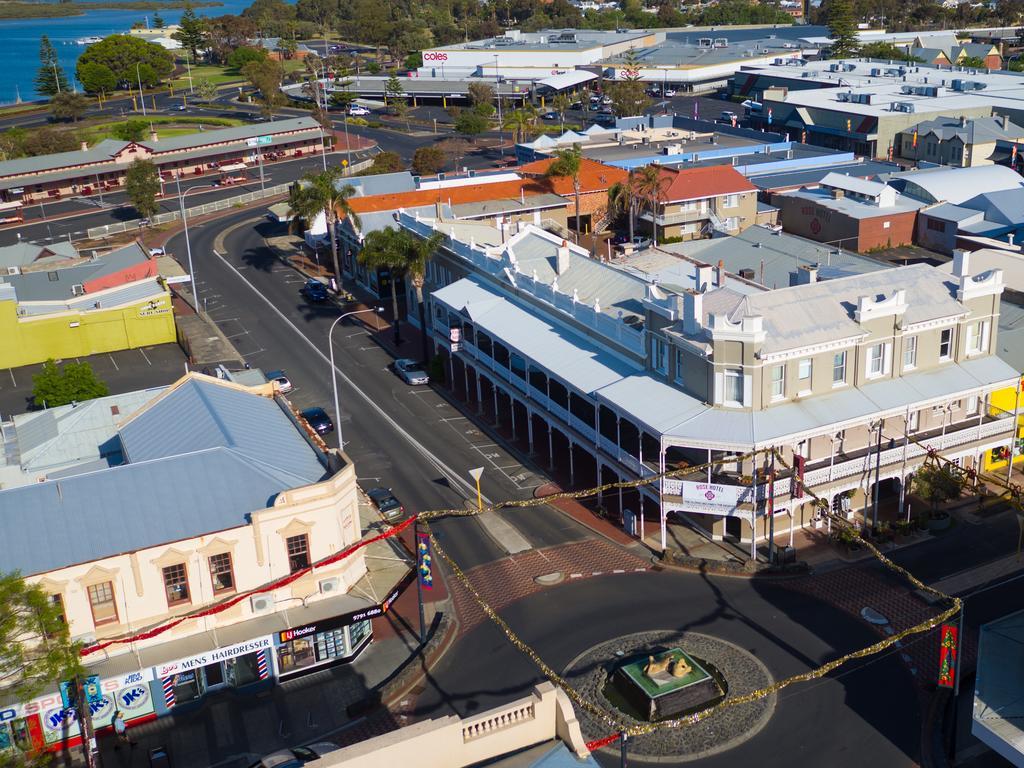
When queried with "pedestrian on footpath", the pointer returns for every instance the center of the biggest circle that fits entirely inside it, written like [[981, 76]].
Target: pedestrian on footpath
[[121, 729]]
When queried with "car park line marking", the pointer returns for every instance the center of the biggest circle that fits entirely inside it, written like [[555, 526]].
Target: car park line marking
[[14, 381], [112, 360], [143, 353], [454, 477]]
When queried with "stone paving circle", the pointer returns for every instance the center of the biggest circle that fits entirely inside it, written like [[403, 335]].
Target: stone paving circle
[[722, 731]]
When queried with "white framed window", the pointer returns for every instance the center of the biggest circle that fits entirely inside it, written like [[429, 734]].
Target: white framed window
[[733, 386], [972, 404], [730, 201], [778, 382], [733, 222], [659, 354], [688, 205], [876, 360], [804, 372], [910, 353], [839, 368], [977, 337], [680, 362], [946, 344]]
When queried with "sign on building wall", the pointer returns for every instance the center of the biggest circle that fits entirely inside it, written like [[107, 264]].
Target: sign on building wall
[[715, 498], [217, 654]]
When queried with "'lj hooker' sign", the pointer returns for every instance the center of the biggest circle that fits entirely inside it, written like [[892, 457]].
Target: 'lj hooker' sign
[[715, 498]]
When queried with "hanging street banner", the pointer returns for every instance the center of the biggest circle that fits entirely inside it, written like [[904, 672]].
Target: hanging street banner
[[715, 498], [424, 561], [948, 649]]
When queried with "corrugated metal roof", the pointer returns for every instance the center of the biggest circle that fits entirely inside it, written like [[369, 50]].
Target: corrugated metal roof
[[129, 293], [24, 253], [570, 357], [201, 413], [50, 525], [651, 401], [101, 153], [227, 135], [56, 284], [955, 185]]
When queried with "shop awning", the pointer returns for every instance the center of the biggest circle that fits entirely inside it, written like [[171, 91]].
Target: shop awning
[[567, 79]]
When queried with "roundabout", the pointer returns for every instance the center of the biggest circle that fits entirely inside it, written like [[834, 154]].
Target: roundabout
[[732, 671], [760, 631]]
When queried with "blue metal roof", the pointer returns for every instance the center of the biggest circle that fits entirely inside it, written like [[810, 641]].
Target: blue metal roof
[[202, 413]]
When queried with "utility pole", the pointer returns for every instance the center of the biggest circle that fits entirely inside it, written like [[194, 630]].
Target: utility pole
[[878, 470], [84, 713], [771, 510]]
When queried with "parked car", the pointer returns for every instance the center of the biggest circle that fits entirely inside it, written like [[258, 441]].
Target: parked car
[[727, 116], [318, 419], [620, 239], [157, 252], [296, 756], [386, 503], [640, 242], [669, 93], [358, 110], [284, 385], [314, 290], [576, 105], [410, 371], [282, 759], [549, 116], [312, 752]]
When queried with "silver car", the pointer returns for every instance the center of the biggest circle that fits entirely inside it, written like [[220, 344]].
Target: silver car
[[411, 371]]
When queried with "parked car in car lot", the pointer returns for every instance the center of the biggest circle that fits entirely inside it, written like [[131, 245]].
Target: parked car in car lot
[[296, 756], [358, 110], [318, 419], [410, 371], [284, 385], [549, 115], [314, 290], [386, 503]]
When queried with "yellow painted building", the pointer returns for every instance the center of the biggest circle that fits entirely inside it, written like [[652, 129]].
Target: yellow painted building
[[137, 314], [1005, 401]]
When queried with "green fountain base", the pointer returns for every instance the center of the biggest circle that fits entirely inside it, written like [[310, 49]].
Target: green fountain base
[[661, 694]]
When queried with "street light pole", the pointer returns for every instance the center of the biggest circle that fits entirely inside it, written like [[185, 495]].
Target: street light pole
[[142, 98], [188, 244], [497, 94], [56, 77], [334, 372]]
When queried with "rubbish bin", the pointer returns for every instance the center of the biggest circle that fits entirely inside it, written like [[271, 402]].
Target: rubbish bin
[[785, 555]]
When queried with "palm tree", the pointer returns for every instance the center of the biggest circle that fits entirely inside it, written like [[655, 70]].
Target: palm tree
[[561, 103], [320, 192], [418, 254], [622, 198], [519, 121], [567, 164], [385, 249], [648, 184]]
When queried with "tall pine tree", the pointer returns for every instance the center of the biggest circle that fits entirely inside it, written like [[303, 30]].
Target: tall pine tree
[[841, 29], [51, 79]]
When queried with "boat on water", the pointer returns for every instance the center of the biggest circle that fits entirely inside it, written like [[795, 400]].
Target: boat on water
[[88, 40]]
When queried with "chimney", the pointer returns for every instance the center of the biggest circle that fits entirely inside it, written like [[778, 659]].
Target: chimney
[[562, 263], [963, 121], [438, 210], [720, 274], [1005, 122], [152, 135], [85, 146], [703, 277], [807, 274], [961, 263], [693, 312], [837, 194]]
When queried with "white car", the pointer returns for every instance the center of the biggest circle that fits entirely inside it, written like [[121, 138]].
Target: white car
[[411, 372], [669, 93], [357, 110], [157, 252], [284, 384]]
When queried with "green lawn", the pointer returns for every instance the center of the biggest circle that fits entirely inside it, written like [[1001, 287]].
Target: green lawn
[[216, 75], [165, 126]]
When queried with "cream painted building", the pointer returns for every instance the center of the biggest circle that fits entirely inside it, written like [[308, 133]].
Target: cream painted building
[[204, 494]]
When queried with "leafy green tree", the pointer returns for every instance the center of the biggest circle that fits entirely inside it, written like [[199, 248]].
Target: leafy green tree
[[972, 62], [142, 185], [245, 54], [567, 164], [266, 76], [417, 255], [481, 93], [842, 29], [454, 150], [192, 31], [68, 105], [428, 160], [51, 79], [470, 123], [206, 90], [560, 104], [47, 141], [97, 78], [273, 17], [130, 130], [123, 53], [324, 193], [385, 249], [288, 48], [885, 52], [35, 647], [74, 383], [384, 162], [936, 484]]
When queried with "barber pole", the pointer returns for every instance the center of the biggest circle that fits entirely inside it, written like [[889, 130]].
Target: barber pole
[[168, 683], [261, 665]]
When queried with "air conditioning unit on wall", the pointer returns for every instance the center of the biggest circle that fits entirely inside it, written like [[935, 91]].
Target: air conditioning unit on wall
[[261, 603], [331, 586]]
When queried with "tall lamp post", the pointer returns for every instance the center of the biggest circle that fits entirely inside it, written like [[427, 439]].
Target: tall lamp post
[[334, 372], [188, 244], [497, 94], [142, 97]]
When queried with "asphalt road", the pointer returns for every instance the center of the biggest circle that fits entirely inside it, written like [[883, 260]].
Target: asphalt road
[[865, 714], [407, 438]]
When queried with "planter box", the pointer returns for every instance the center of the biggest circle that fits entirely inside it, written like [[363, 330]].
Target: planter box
[[939, 523]]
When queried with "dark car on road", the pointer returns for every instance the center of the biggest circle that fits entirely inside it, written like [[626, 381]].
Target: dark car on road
[[386, 503], [318, 419], [314, 290]]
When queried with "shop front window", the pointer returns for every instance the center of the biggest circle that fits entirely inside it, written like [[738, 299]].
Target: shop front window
[[176, 584], [241, 670], [296, 654], [357, 632], [186, 687]]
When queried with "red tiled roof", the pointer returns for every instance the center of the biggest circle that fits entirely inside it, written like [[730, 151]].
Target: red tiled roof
[[594, 176], [470, 193], [696, 183]]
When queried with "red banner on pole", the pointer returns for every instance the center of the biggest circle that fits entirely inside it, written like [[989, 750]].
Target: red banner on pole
[[799, 463], [948, 650]]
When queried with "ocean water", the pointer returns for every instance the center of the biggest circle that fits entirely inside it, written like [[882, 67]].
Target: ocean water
[[19, 52]]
